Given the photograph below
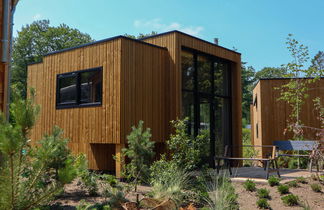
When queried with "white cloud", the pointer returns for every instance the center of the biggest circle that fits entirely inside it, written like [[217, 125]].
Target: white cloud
[[157, 25], [37, 17]]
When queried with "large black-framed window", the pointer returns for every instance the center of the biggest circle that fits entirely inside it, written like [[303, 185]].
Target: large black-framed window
[[79, 88], [206, 97]]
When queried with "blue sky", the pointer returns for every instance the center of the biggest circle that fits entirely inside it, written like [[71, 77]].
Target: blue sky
[[256, 28]]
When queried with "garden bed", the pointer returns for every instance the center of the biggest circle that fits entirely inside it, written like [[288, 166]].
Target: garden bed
[[73, 196]]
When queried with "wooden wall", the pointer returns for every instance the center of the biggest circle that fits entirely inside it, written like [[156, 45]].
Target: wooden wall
[[140, 82], [272, 115], [144, 78], [173, 42], [83, 126]]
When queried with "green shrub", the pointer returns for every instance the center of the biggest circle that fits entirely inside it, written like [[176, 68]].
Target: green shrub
[[170, 185], [249, 185], [247, 151], [140, 153], [89, 182], [301, 180], [290, 200], [316, 187], [31, 177], [188, 152], [263, 193], [273, 181], [283, 189], [292, 183], [263, 204]]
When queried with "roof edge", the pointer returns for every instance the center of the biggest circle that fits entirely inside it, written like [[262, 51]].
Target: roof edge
[[101, 41], [180, 32]]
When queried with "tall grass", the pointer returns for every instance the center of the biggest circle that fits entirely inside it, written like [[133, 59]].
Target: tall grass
[[170, 186], [221, 193]]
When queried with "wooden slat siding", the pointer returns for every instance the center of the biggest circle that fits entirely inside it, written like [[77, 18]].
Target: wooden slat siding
[[173, 42], [272, 114], [142, 88], [81, 125]]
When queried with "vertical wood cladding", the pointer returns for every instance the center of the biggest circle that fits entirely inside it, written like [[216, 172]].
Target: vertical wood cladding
[[174, 42], [141, 81], [272, 115]]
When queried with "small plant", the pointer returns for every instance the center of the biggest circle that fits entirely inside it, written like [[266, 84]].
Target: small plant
[[263, 193], [263, 203], [273, 181], [140, 153], [170, 185], [292, 183], [290, 200], [249, 185], [301, 180], [221, 193], [283, 189], [316, 187]]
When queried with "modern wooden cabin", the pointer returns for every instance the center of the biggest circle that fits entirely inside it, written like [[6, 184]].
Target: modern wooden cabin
[[269, 116], [97, 91]]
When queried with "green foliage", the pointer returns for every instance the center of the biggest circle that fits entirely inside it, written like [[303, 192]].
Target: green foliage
[[247, 151], [162, 167], [271, 72], [290, 200], [263, 203], [301, 180], [283, 189], [295, 91], [316, 187], [141, 36], [292, 183], [87, 206], [32, 176], [140, 152], [318, 64], [263, 193], [170, 185], [36, 40], [248, 81], [273, 181], [249, 185], [188, 152], [89, 181], [221, 193]]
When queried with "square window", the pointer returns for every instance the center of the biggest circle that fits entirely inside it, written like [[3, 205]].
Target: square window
[[79, 88]]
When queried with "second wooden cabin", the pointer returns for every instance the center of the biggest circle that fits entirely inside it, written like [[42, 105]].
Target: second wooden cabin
[[98, 91]]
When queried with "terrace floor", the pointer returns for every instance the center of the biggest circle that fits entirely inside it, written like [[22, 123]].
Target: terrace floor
[[258, 174]]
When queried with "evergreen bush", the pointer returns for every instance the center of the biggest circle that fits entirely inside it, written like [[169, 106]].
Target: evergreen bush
[[32, 176]]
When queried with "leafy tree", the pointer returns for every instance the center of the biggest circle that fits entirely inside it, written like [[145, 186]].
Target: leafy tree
[[36, 40], [248, 81], [271, 72], [295, 91], [31, 176], [140, 152], [141, 36], [318, 63]]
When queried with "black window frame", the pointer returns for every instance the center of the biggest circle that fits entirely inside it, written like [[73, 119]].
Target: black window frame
[[212, 96], [78, 103]]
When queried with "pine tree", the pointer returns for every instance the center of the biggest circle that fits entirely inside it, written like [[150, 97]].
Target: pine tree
[[140, 152], [31, 176]]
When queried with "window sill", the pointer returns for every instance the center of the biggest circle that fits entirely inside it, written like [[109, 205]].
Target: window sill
[[65, 106]]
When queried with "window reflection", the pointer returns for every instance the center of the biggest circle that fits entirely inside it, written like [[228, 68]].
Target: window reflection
[[206, 97], [187, 70]]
